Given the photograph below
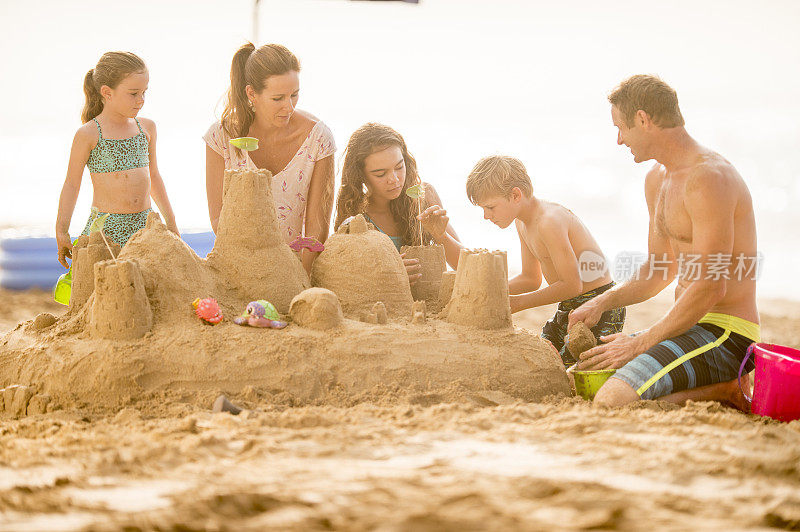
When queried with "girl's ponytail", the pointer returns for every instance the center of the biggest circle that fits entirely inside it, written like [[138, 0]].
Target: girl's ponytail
[[237, 116], [94, 102]]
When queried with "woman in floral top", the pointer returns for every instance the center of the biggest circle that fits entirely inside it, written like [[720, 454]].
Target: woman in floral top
[[294, 145]]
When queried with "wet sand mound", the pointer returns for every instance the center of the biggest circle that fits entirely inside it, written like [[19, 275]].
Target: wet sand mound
[[137, 334], [362, 267]]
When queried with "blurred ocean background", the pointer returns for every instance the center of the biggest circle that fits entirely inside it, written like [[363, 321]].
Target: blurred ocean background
[[459, 79]]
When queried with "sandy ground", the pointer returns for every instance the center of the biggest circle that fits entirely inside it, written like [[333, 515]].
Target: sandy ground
[[168, 464]]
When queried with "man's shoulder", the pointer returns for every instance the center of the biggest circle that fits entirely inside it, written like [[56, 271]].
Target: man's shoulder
[[714, 174], [655, 175], [653, 181]]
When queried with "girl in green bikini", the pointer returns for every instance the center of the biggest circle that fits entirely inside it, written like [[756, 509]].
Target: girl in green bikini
[[120, 151], [376, 172]]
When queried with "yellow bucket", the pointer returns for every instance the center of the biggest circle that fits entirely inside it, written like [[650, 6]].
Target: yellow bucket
[[588, 382]]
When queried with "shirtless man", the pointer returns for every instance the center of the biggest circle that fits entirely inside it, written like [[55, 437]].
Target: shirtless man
[[555, 244], [702, 229]]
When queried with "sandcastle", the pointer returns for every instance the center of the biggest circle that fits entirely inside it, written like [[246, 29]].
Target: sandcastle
[[130, 330], [480, 290], [362, 267], [432, 266]]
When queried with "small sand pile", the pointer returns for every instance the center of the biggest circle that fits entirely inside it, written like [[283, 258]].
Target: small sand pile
[[362, 267], [136, 333], [316, 308], [581, 339]]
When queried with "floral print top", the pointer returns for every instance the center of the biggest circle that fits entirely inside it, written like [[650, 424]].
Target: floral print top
[[290, 185]]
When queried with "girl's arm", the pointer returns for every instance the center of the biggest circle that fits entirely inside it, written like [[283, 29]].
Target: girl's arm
[[437, 223], [79, 154], [319, 206], [215, 173], [157, 189]]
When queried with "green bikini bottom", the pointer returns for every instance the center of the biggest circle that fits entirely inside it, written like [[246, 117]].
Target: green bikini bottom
[[119, 227]]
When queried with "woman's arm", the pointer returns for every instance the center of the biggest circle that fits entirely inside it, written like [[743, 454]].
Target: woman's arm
[[318, 206], [79, 154], [215, 174], [158, 191]]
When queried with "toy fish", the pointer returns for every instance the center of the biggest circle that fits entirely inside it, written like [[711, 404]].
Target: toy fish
[[207, 310]]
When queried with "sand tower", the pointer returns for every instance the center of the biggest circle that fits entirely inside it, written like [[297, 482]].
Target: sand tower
[[120, 309], [362, 267], [433, 264], [87, 250], [446, 288], [480, 292], [249, 254]]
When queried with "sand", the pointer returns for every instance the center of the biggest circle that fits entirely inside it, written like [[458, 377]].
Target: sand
[[420, 462], [136, 334], [405, 421], [580, 339], [432, 264], [362, 266]]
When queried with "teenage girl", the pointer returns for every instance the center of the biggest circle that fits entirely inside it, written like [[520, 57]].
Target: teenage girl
[[377, 171]]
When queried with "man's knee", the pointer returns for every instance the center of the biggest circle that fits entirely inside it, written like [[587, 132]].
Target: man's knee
[[615, 392]]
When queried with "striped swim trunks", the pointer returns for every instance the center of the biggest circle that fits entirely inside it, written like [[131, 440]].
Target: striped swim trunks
[[708, 353]]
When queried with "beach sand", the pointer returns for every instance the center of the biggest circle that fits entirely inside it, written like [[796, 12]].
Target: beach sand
[[423, 463]]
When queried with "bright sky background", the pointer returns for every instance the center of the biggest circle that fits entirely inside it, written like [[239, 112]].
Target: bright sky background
[[460, 79]]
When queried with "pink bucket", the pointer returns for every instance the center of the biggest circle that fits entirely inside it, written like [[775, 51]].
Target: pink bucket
[[777, 381]]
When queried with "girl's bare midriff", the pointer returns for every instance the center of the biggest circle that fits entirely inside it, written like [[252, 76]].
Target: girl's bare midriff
[[124, 192]]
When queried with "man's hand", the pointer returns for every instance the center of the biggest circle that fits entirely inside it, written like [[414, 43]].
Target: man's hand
[[64, 248], [412, 268], [434, 219], [616, 351], [589, 313]]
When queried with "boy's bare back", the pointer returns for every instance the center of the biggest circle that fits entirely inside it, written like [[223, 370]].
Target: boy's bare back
[[558, 240]]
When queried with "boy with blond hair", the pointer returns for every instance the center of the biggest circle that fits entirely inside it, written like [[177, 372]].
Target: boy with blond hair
[[555, 244]]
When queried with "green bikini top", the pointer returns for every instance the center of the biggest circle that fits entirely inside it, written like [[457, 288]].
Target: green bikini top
[[114, 155], [396, 240]]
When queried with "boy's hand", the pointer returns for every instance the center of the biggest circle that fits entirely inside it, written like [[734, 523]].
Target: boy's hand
[[589, 313], [516, 303], [434, 219], [413, 269], [64, 248]]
